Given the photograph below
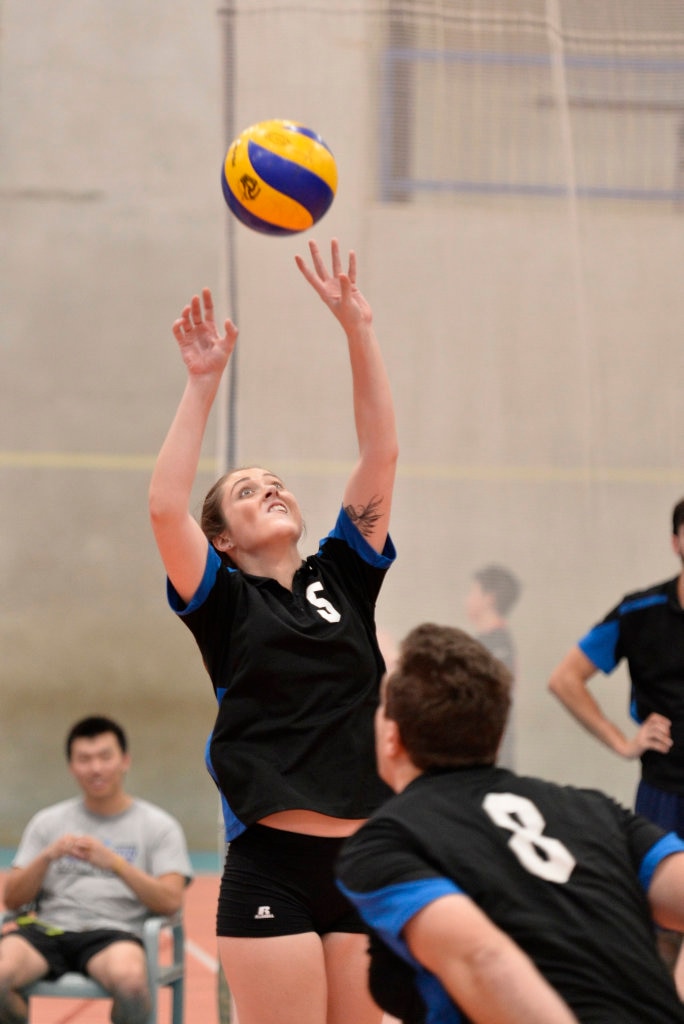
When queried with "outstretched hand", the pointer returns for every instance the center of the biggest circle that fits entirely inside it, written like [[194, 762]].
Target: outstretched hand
[[203, 349], [337, 289]]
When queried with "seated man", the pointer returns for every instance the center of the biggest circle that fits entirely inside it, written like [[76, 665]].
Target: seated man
[[90, 870], [481, 887]]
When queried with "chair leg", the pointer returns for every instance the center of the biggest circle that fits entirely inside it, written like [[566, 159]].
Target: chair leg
[[177, 993], [152, 1019]]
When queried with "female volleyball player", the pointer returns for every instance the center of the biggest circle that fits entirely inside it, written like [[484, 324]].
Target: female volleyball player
[[291, 649]]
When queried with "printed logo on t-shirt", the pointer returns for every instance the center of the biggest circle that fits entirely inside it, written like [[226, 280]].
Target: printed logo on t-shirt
[[263, 913]]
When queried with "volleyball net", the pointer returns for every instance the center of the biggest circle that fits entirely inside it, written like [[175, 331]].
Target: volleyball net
[[512, 175]]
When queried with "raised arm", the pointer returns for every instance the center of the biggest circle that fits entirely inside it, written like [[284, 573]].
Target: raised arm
[[368, 492], [181, 543], [568, 682], [487, 975]]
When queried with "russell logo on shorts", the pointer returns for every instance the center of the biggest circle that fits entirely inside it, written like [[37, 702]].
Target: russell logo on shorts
[[263, 913]]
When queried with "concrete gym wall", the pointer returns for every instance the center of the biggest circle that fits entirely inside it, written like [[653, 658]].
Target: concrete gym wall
[[538, 394]]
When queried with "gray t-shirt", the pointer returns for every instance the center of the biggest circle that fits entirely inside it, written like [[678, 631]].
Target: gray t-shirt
[[76, 895]]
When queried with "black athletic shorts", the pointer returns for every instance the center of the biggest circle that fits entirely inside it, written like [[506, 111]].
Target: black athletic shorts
[[282, 883], [71, 951]]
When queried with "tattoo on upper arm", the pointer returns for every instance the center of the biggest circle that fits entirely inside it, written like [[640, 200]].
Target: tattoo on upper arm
[[365, 517]]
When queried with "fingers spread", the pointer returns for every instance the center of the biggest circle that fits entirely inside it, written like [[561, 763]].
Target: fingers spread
[[208, 303], [318, 263], [196, 309], [335, 257]]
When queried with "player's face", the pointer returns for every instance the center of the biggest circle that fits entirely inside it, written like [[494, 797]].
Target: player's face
[[257, 506], [477, 602], [99, 765]]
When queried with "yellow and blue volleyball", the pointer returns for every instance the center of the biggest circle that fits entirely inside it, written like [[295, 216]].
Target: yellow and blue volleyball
[[279, 177]]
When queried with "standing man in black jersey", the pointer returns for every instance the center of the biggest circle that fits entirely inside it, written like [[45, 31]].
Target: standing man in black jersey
[[646, 628], [480, 886]]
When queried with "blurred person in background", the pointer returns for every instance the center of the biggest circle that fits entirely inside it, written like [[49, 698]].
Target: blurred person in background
[[86, 874], [493, 593], [646, 629]]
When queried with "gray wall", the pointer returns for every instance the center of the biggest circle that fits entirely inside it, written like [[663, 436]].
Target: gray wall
[[534, 347]]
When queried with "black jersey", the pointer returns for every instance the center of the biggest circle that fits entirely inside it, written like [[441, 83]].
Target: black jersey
[[563, 871], [647, 629], [297, 676]]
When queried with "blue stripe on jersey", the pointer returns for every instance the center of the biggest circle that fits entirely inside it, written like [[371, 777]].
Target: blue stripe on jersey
[[599, 645], [633, 711], [440, 1007], [641, 602], [345, 530], [386, 911], [600, 642], [232, 825], [212, 566], [669, 844]]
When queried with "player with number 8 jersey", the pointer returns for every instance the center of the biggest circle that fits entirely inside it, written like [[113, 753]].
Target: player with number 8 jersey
[[566, 873]]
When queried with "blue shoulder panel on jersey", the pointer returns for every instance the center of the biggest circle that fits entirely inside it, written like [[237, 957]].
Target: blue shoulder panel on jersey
[[636, 603], [345, 530], [213, 564], [387, 910], [599, 644], [669, 844]]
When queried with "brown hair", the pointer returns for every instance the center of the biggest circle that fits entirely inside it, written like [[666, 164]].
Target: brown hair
[[449, 697], [678, 516], [502, 583], [212, 519]]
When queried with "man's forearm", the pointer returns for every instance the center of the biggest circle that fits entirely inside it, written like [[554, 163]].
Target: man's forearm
[[23, 884]]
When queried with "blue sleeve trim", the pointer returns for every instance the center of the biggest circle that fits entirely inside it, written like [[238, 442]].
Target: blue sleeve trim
[[211, 568], [387, 910], [345, 530], [669, 844], [599, 645], [634, 604]]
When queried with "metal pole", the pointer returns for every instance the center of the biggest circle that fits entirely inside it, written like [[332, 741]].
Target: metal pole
[[226, 448], [227, 439]]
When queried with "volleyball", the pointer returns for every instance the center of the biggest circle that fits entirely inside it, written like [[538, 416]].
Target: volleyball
[[279, 177]]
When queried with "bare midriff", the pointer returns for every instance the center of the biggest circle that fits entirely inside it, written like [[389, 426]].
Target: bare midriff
[[311, 823]]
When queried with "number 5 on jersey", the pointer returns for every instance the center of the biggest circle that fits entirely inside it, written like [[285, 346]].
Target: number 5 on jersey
[[321, 604]]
